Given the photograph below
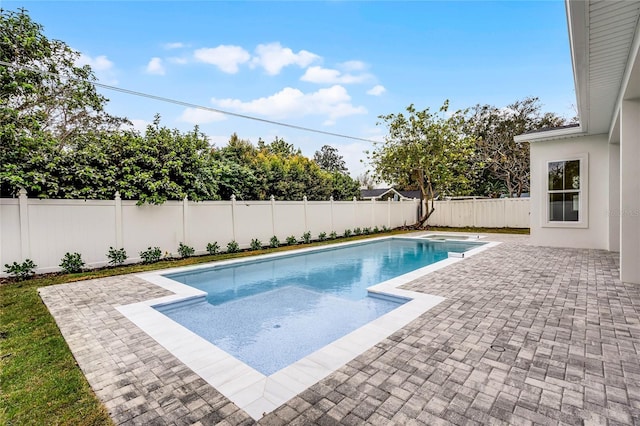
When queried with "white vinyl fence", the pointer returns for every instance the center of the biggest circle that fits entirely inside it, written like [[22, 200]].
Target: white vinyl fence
[[44, 230], [486, 213]]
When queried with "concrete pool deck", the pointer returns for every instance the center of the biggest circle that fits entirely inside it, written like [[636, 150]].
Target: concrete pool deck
[[525, 335]]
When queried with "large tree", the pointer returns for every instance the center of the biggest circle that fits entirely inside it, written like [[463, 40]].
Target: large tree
[[507, 162], [41, 87], [328, 159], [425, 151], [47, 103]]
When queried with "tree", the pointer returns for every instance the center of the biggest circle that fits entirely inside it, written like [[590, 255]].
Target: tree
[[46, 103], [328, 159], [424, 151], [507, 162], [365, 180], [43, 89], [279, 147]]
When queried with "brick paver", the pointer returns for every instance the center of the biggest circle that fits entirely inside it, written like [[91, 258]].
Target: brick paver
[[527, 335]]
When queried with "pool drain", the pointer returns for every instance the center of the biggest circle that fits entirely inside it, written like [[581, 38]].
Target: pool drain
[[276, 326], [497, 348]]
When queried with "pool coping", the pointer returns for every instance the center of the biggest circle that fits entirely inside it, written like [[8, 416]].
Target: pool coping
[[249, 389]]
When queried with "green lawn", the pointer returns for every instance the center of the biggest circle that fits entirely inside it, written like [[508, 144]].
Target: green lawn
[[41, 382]]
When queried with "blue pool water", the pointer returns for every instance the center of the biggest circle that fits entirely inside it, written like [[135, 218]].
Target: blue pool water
[[270, 313]]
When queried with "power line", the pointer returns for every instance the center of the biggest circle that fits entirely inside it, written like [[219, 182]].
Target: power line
[[189, 104]]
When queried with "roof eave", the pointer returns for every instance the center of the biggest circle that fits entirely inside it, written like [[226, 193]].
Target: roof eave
[[577, 18], [548, 135]]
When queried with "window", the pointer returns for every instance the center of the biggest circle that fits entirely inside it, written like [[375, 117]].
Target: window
[[566, 192]]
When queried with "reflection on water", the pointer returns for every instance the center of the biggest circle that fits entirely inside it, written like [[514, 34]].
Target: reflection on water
[[345, 272]]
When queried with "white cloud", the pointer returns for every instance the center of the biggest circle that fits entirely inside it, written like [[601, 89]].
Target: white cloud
[[353, 66], [101, 66], [155, 66], [177, 45], [226, 58], [333, 102], [138, 124], [177, 60], [200, 116], [330, 76], [376, 90], [273, 57], [354, 157]]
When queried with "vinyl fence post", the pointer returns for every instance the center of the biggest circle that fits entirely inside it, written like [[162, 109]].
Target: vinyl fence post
[[331, 205], [273, 214], [118, 218], [474, 212], [504, 212], [373, 212], [389, 212], [233, 217], [25, 243], [185, 220], [306, 219], [356, 223]]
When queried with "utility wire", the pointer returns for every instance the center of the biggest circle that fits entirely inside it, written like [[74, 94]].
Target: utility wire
[[188, 104]]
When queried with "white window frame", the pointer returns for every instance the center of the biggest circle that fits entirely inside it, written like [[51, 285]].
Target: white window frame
[[583, 208]]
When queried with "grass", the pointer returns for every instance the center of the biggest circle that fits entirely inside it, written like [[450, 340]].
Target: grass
[[41, 382]]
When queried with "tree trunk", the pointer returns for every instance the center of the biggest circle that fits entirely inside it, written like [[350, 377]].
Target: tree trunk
[[427, 194]]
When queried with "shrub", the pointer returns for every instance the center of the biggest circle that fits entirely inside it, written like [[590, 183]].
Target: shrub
[[233, 247], [357, 231], [116, 256], [376, 230], [21, 271], [185, 250], [151, 255], [322, 236], [71, 262], [256, 244], [366, 231], [274, 242], [333, 235], [384, 228], [291, 240], [347, 233], [306, 237], [213, 248]]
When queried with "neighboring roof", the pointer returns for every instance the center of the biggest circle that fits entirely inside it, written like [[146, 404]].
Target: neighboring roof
[[380, 192], [372, 193]]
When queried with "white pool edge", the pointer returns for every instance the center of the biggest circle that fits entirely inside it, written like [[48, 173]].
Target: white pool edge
[[249, 389]]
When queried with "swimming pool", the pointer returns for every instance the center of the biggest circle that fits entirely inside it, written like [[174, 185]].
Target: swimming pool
[[255, 392], [271, 313]]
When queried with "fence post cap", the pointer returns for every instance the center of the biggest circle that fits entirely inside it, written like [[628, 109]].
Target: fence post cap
[[117, 195], [233, 197], [22, 192]]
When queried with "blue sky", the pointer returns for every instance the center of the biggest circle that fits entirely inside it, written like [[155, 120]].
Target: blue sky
[[333, 66]]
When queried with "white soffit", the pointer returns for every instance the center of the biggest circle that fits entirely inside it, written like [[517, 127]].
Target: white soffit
[[608, 29]]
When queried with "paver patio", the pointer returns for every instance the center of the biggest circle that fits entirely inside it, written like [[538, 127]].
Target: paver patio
[[526, 335]]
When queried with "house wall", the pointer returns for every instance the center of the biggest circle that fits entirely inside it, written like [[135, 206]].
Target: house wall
[[595, 233], [629, 210]]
